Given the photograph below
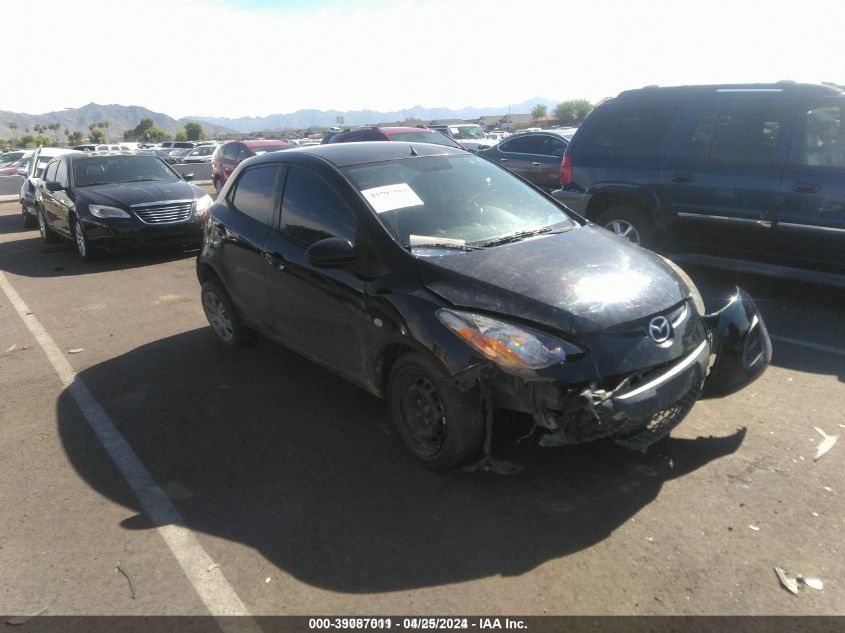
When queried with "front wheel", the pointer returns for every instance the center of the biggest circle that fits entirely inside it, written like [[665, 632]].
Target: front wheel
[[632, 223], [441, 425], [222, 315], [83, 247], [29, 220]]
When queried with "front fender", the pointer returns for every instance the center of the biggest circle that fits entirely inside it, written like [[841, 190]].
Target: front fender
[[741, 344]]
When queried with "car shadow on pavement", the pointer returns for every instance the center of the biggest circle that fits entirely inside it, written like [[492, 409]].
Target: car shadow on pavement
[[261, 447], [32, 257]]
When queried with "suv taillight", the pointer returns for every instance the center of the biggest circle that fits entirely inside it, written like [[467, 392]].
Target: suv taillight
[[566, 170]]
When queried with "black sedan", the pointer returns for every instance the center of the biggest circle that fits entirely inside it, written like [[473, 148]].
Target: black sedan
[[442, 283], [535, 156], [114, 202]]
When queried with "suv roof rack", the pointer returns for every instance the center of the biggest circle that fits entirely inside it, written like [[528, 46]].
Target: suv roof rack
[[786, 86]]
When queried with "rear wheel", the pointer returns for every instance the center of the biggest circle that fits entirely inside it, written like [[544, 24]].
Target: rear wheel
[[218, 186], [632, 223], [222, 315], [47, 234], [441, 425]]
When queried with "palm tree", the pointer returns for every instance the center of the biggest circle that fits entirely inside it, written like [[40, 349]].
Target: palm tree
[[105, 126], [14, 127]]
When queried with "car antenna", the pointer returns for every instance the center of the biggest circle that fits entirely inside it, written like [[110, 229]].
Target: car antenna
[[413, 151]]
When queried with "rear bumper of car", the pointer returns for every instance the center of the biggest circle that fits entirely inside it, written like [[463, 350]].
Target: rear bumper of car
[[638, 409], [574, 200], [121, 235]]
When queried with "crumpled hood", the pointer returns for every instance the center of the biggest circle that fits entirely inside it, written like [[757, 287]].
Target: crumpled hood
[[581, 281], [126, 194]]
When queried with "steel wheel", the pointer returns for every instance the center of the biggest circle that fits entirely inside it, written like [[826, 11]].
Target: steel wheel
[[624, 229], [423, 413], [218, 317], [41, 227]]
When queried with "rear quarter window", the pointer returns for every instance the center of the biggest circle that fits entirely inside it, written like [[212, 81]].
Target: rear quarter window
[[631, 130]]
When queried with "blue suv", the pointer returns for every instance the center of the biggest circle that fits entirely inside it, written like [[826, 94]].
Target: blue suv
[[749, 177]]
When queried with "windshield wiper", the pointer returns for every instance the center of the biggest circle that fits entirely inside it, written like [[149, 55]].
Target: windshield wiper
[[516, 237], [457, 247]]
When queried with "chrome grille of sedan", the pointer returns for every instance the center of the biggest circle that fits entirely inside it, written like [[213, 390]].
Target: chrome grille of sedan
[[165, 212]]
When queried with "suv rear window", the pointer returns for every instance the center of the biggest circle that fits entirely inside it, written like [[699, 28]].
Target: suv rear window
[[742, 132], [629, 130]]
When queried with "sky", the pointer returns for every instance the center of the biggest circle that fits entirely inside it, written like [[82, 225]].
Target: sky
[[258, 57]]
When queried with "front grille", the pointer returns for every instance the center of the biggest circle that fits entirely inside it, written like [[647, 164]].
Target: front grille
[[166, 212]]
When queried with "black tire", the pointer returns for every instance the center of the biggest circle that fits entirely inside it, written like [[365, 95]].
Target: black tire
[[223, 316], [443, 426], [29, 221], [218, 185], [633, 223], [47, 234], [84, 249]]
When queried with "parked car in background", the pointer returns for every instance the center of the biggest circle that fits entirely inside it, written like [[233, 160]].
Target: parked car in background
[[114, 202], [85, 147], [7, 158], [408, 134], [469, 135], [13, 168], [32, 179], [178, 145], [535, 156], [201, 154], [163, 154], [449, 287], [723, 175], [229, 155]]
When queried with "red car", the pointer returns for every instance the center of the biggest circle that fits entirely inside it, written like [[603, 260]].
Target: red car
[[227, 156], [408, 134]]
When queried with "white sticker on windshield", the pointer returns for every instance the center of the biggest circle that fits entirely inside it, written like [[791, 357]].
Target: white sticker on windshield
[[392, 197], [454, 130]]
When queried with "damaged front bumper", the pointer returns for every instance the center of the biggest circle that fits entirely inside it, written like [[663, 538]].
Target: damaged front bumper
[[639, 409]]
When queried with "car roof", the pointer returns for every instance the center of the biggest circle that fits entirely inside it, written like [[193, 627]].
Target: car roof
[[785, 87], [49, 152], [406, 128], [347, 154], [263, 142]]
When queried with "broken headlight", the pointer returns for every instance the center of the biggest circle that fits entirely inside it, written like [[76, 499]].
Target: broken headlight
[[510, 346], [695, 295]]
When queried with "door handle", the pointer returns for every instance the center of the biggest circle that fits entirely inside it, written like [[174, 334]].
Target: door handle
[[275, 260], [503, 160], [682, 178], [536, 164], [805, 188]]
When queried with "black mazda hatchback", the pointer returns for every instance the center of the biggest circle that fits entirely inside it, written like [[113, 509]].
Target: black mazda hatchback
[[118, 201], [446, 285]]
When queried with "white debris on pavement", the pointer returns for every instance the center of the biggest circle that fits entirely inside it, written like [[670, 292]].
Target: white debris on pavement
[[789, 582], [827, 443], [75, 350], [754, 527]]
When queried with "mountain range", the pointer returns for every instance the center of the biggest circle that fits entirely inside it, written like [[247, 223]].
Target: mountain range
[[122, 118]]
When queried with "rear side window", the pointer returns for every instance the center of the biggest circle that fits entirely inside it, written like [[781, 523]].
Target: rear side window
[[254, 193], [630, 130], [822, 137], [243, 152], [61, 173], [312, 211], [519, 145], [50, 172], [230, 151], [743, 132]]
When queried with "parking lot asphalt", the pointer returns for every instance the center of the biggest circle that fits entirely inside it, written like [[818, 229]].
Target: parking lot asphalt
[[295, 484]]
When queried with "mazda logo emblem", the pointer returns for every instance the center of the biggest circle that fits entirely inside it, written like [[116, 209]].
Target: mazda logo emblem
[[659, 329]]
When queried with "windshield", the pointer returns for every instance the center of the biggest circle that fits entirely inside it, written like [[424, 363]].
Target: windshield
[[102, 170], [263, 149], [435, 138], [8, 159], [459, 200], [467, 132]]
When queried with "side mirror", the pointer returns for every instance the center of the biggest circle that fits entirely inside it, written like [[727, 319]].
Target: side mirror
[[52, 185], [332, 252], [187, 176], [22, 171]]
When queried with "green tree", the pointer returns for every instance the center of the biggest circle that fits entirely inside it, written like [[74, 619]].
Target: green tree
[[573, 112], [104, 125], [75, 137], [97, 135], [14, 127], [139, 132], [181, 135], [42, 139], [155, 135], [194, 131], [26, 140], [539, 112]]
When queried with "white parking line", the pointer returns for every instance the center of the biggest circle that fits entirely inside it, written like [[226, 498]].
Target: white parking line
[[212, 587], [816, 346]]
